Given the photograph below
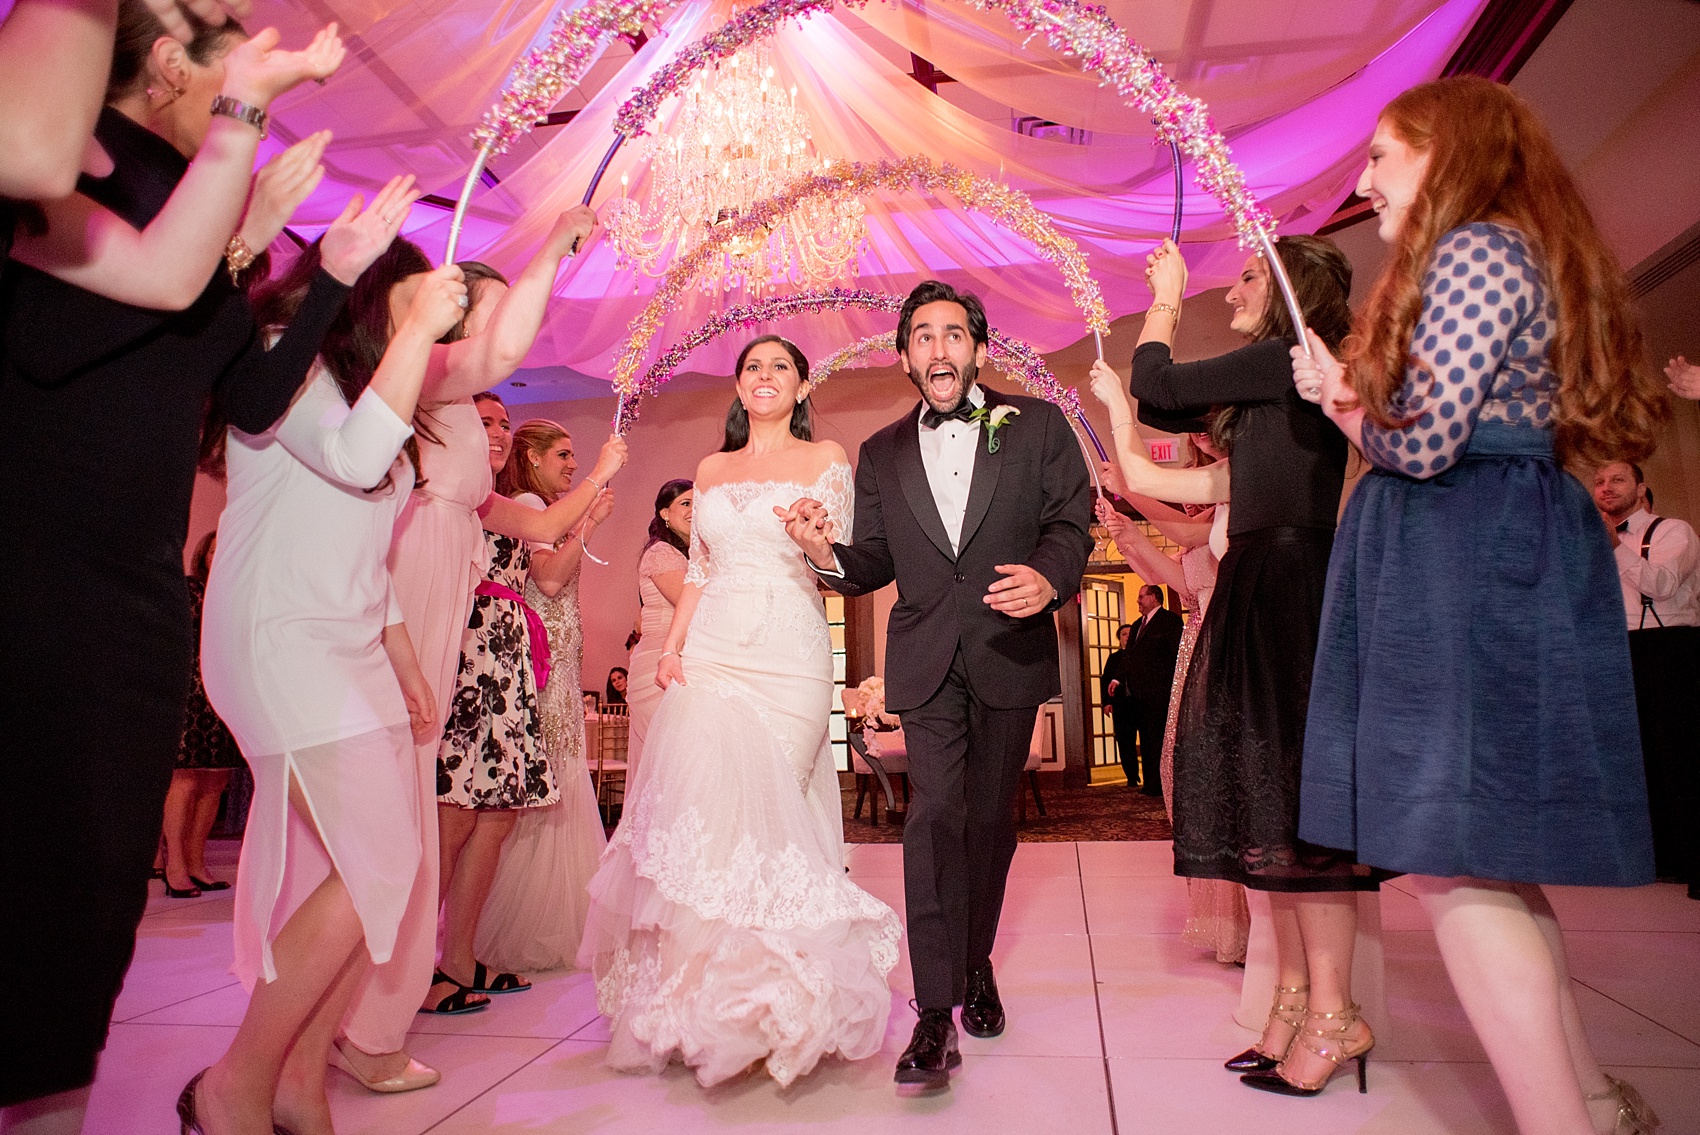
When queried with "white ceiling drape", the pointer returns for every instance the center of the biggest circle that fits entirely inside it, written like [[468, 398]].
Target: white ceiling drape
[[1294, 85]]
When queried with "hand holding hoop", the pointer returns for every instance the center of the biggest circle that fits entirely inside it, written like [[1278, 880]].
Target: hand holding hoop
[[1316, 373]]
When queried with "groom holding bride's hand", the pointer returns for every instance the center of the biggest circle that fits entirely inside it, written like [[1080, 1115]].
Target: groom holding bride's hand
[[978, 505]]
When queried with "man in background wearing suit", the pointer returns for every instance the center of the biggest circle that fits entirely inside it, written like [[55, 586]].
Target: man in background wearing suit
[[1116, 694], [1147, 670]]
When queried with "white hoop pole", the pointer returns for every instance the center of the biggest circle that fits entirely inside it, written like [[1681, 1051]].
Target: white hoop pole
[[465, 199]]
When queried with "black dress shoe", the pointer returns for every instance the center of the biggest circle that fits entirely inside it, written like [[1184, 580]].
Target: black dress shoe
[[982, 1012], [932, 1051]]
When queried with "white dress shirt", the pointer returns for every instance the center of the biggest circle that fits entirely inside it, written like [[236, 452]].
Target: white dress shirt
[[1670, 575], [947, 454]]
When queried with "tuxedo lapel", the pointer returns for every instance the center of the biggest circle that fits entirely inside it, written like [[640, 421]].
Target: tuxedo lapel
[[987, 466], [912, 475]]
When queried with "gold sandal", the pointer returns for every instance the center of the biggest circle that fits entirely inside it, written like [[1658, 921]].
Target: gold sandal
[[1332, 1042], [1634, 1117], [1254, 1059]]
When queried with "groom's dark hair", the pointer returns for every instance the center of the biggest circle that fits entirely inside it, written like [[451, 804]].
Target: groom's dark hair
[[937, 291]]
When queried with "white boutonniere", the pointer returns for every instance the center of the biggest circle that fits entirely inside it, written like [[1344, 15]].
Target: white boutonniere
[[992, 420]]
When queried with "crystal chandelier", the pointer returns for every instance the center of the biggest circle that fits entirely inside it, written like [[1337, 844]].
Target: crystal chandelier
[[738, 138]]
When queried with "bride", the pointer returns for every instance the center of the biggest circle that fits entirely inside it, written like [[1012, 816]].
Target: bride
[[723, 931]]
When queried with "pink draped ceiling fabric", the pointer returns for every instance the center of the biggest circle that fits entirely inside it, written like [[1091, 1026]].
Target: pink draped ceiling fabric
[[1295, 86]]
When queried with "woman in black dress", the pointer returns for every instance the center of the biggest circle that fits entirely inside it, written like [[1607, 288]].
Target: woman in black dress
[[1240, 732], [97, 695], [206, 754]]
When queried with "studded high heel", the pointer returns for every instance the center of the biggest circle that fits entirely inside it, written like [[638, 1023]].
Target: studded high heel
[[1254, 1059], [1634, 1117], [1332, 1041]]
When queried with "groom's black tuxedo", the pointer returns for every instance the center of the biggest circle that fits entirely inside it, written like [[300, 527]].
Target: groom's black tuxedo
[[1030, 503], [966, 680]]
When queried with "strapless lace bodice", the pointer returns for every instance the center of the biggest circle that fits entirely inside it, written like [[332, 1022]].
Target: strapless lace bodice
[[736, 537], [751, 572]]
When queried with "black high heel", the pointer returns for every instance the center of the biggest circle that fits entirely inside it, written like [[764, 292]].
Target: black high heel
[[189, 892], [186, 1117], [206, 885], [1329, 1042], [1254, 1059], [190, 1123]]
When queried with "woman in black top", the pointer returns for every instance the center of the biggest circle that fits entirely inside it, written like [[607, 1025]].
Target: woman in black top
[[93, 683], [1240, 733]]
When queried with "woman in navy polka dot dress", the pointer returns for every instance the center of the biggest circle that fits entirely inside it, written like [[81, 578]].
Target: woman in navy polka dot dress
[[1472, 717]]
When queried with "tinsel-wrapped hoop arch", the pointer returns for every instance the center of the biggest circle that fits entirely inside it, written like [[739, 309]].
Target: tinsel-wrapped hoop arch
[[1009, 207], [1014, 357], [1083, 30]]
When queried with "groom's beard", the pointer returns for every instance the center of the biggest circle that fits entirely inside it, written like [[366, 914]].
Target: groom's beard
[[965, 383]]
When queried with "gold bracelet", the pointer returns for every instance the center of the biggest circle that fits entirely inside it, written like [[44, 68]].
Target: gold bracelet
[[1114, 426], [1168, 307], [237, 257]]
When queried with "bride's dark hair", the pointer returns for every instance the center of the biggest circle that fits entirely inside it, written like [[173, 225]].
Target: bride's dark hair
[[738, 420]]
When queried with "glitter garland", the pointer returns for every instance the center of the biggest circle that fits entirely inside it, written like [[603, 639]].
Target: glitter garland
[[1085, 31], [725, 41], [539, 80], [1009, 207], [1011, 356], [1088, 32], [745, 316]]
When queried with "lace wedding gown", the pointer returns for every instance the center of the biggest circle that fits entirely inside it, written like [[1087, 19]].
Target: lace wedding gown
[[723, 930]]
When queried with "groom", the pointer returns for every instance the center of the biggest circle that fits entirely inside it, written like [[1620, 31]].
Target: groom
[[977, 504]]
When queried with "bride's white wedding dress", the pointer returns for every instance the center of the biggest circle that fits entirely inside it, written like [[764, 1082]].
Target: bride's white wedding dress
[[723, 930]]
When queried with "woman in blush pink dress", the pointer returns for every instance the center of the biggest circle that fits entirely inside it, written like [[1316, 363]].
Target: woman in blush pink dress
[[661, 578]]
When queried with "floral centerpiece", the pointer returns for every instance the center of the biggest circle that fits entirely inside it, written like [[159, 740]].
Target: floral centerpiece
[[873, 714]]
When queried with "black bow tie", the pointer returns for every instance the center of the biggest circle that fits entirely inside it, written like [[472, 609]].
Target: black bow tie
[[1624, 527], [933, 419]]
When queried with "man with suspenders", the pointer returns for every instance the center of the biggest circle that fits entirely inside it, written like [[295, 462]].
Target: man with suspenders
[[1658, 563]]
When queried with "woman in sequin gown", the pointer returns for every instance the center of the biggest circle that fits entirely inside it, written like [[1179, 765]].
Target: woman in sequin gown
[[535, 914]]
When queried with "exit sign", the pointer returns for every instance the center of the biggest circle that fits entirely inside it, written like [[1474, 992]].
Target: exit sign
[[1161, 448]]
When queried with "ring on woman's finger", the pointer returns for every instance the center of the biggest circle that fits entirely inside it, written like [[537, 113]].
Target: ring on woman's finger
[[460, 301]]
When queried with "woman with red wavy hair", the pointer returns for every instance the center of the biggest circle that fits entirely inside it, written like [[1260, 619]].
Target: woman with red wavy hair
[[1472, 719]]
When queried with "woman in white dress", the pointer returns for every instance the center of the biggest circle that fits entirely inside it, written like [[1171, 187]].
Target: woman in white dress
[[661, 577], [534, 916], [723, 931], [305, 657]]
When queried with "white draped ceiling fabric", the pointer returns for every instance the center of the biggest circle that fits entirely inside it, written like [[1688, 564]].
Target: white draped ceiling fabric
[[1295, 85]]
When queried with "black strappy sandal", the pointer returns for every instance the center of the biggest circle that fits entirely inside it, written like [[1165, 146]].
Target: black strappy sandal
[[457, 1002], [483, 981]]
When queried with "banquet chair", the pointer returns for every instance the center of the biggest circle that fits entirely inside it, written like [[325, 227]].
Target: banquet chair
[[1044, 741], [612, 726], [879, 756]]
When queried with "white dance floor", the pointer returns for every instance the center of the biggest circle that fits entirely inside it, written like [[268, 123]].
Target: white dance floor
[[1114, 1027]]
